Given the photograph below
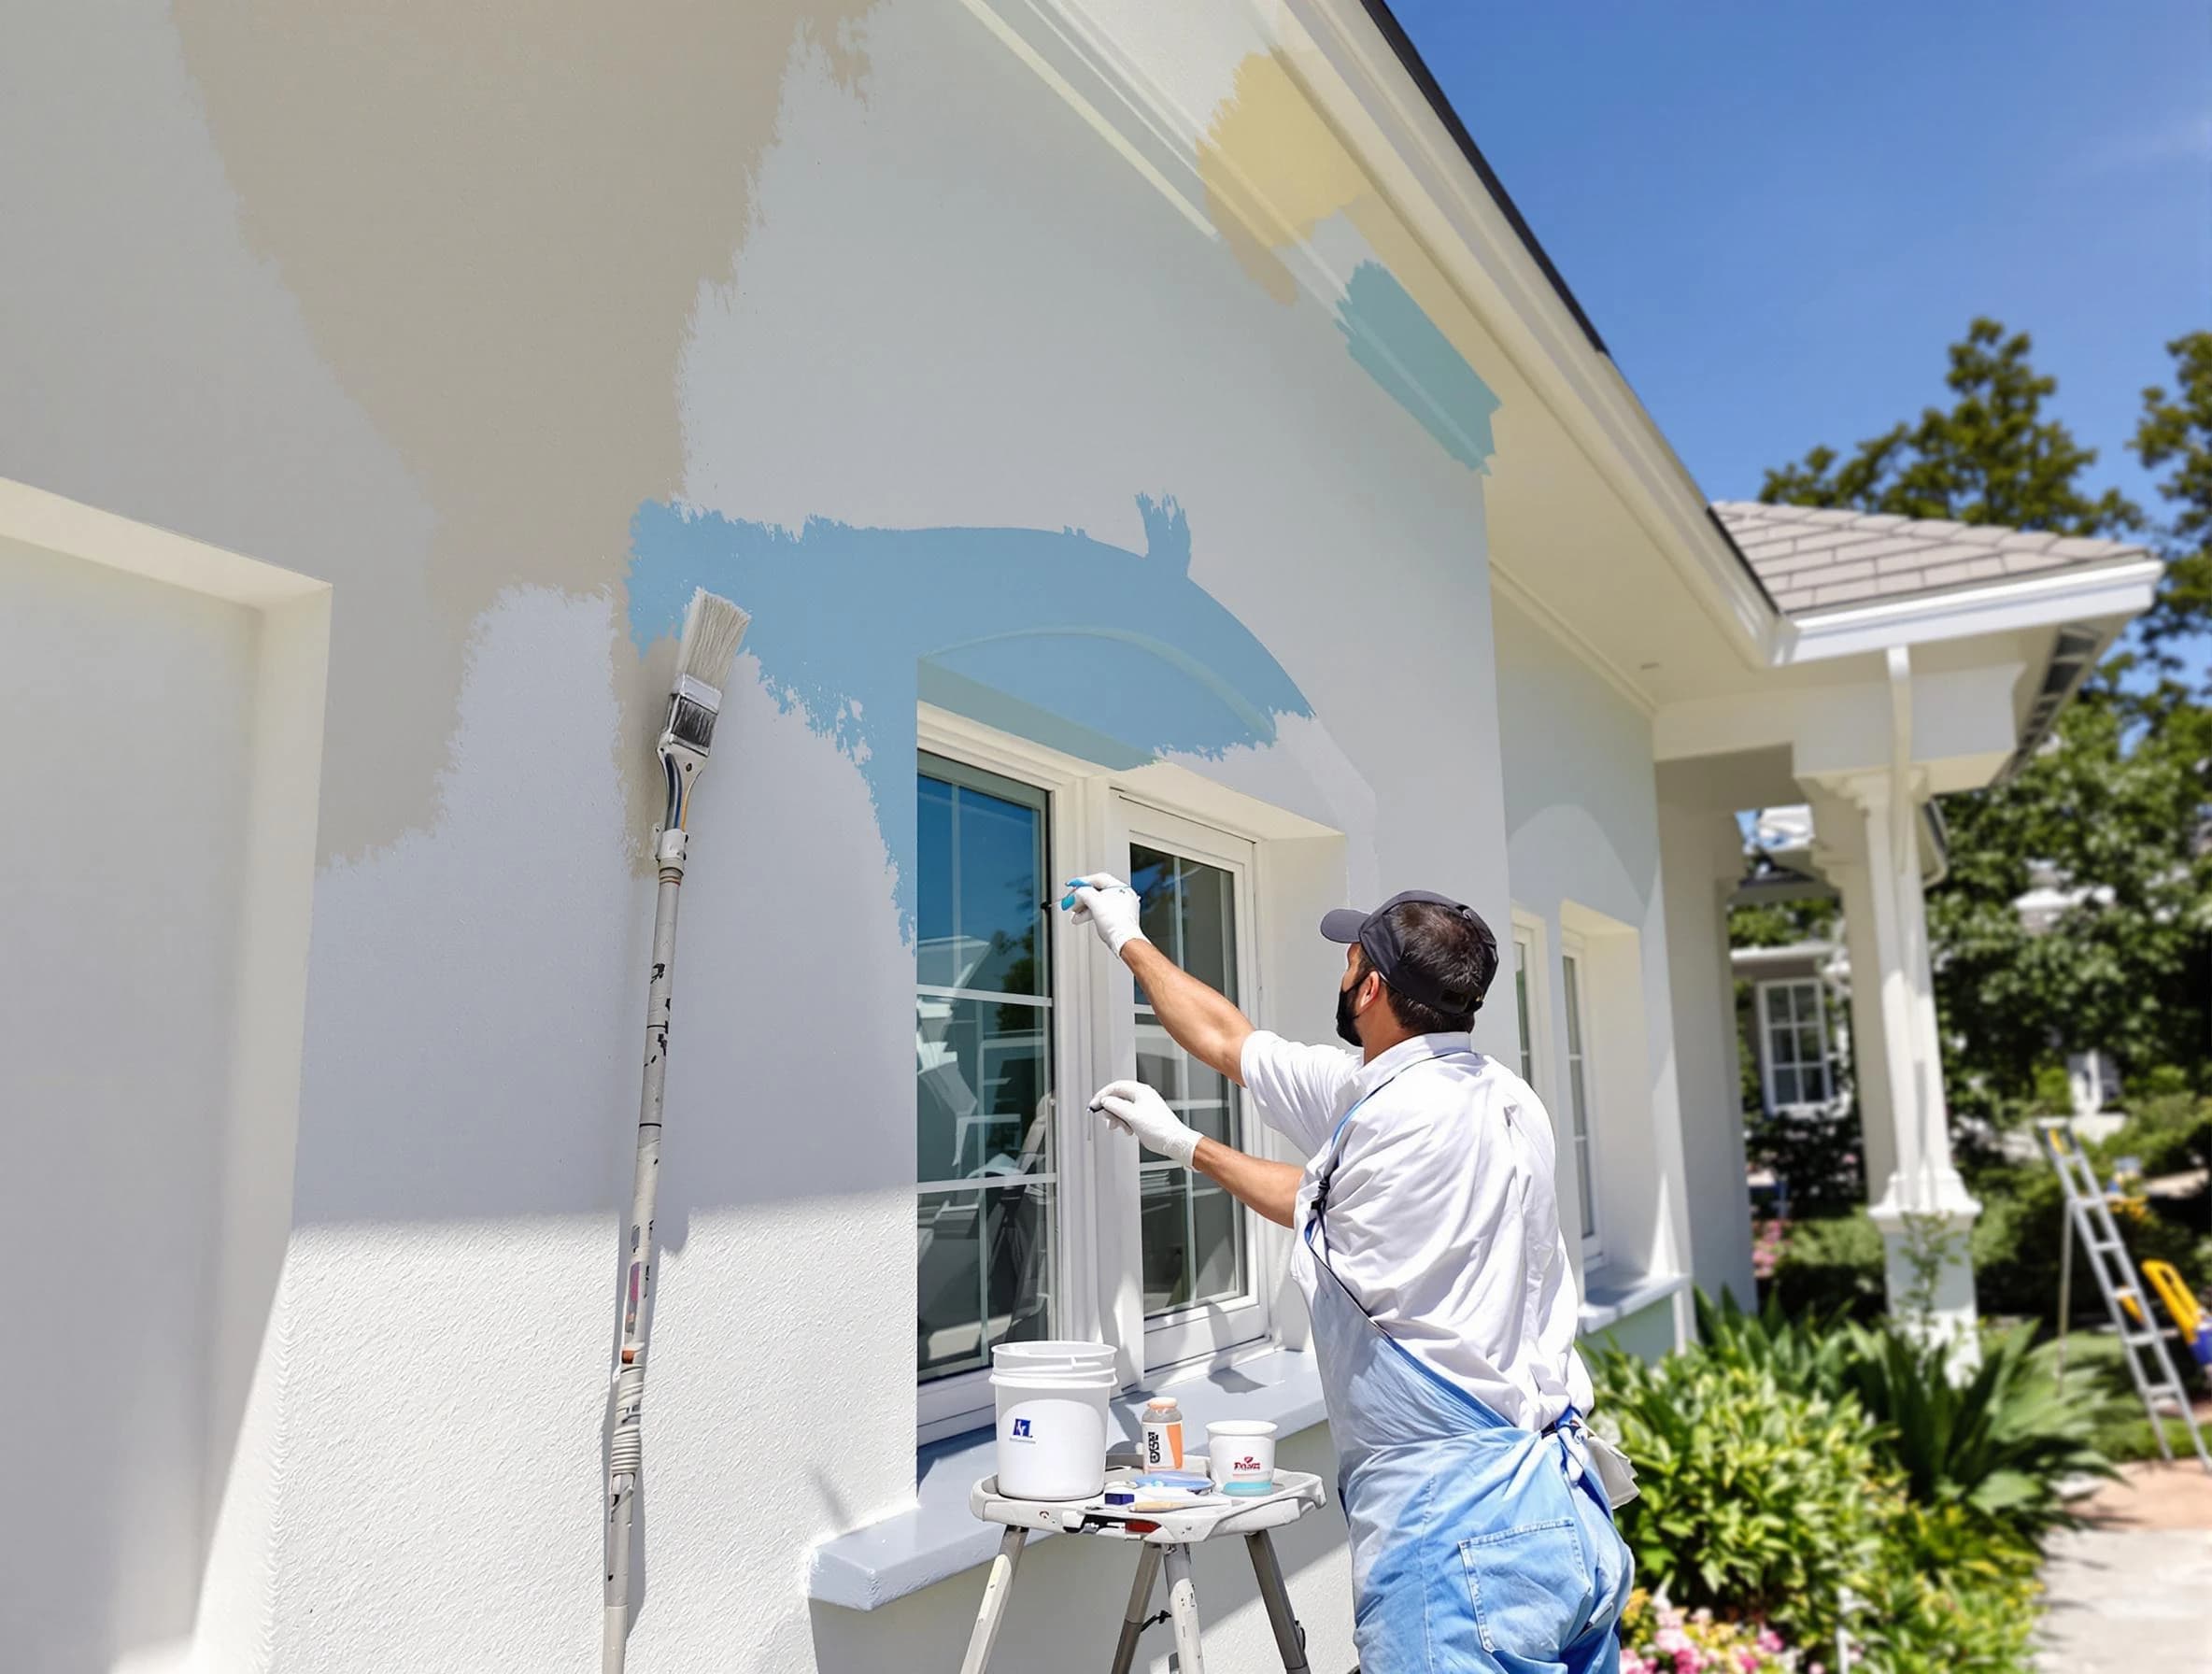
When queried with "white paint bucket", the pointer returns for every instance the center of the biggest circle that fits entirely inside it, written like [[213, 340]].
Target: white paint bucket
[[1241, 1456], [1052, 1426], [1085, 1355]]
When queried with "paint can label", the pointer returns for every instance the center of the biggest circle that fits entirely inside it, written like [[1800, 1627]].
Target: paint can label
[[1163, 1444]]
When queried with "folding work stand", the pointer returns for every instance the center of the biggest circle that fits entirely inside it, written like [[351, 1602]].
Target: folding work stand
[[1163, 1540]]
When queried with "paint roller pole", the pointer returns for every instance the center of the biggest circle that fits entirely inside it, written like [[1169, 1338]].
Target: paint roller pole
[[712, 629], [625, 1451]]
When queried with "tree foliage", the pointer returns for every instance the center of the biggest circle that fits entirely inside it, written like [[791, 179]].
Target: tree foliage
[[2112, 813]]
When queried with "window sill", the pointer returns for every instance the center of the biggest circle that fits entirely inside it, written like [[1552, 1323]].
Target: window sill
[[1609, 1298], [937, 1539]]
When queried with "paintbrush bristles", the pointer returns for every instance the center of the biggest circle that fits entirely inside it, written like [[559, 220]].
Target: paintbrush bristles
[[712, 629]]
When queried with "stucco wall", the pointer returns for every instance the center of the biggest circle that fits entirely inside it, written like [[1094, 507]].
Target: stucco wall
[[129, 707], [1703, 856], [1581, 803], [843, 311]]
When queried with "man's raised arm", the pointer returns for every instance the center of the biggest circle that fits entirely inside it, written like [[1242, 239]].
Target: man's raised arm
[[1201, 1021]]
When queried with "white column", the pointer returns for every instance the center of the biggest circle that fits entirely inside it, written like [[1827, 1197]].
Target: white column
[[1919, 1201]]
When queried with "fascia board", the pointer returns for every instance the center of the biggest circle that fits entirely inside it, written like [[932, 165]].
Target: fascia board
[[2114, 591]]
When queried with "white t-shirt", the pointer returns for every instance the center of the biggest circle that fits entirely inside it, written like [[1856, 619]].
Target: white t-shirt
[[1443, 1221]]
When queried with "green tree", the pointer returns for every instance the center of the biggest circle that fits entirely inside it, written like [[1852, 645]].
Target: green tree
[[2176, 431], [2111, 812], [1991, 457]]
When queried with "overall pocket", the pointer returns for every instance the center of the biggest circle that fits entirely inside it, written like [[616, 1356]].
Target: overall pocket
[[1530, 1587]]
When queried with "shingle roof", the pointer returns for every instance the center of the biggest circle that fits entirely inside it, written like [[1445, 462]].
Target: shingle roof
[[1812, 560]]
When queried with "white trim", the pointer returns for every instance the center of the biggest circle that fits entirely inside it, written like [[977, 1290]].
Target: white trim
[[1602, 1316], [1582, 1123], [1576, 644], [1204, 1330], [1530, 932], [947, 1405], [2045, 600], [1764, 996]]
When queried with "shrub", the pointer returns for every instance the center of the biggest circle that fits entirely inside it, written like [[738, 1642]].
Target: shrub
[[1945, 1599], [1758, 1499], [1831, 1266], [2017, 1244], [1994, 1448]]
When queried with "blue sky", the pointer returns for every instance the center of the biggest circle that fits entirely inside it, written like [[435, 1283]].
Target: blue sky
[[1779, 215]]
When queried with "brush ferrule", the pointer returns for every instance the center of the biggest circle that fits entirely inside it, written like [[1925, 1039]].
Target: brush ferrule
[[692, 708]]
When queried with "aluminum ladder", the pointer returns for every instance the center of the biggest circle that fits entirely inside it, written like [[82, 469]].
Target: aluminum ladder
[[2088, 1216]]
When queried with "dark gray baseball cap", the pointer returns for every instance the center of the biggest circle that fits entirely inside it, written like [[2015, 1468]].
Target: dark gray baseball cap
[[1379, 933]]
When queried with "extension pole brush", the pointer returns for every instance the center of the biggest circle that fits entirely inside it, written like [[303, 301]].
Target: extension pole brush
[[713, 627]]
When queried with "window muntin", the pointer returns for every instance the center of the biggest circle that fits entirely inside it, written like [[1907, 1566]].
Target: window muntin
[[1796, 1042]]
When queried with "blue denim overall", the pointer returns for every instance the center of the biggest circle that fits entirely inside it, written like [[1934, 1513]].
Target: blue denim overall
[[1475, 1545]]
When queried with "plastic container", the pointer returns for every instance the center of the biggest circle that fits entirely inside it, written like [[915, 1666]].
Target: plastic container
[[1088, 1354], [1052, 1424], [1161, 1430], [1241, 1456]]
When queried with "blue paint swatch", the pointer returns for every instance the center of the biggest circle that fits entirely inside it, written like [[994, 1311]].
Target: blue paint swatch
[[1114, 656], [1403, 351]]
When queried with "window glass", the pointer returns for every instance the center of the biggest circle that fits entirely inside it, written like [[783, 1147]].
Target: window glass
[[1796, 1043], [1194, 1236], [1578, 1093], [1521, 955], [983, 1160]]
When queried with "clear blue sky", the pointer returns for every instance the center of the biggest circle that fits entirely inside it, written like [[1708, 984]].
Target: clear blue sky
[[1779, 214]]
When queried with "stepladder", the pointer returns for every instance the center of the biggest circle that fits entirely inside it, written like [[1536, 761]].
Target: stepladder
[[1162, 1541], [2090, 1222]]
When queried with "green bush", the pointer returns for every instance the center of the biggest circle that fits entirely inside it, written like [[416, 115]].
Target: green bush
[[2169, 1134], [1830, 1267], [1993, 1448], [2017, 1244], [1945, 1599], [1757, 1499]]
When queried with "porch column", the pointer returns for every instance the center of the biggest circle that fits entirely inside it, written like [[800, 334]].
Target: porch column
[[1918, 1200]]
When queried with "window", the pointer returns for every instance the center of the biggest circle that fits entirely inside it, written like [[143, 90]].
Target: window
[[1032, 1221], [1194, 1244], [1579, 1098], [983, 1154], [1793, 1028], [1524, 960]]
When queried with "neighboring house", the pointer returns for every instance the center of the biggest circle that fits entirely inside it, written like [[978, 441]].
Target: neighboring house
[[1144, 437]]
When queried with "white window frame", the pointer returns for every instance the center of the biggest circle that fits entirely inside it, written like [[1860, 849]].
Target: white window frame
[[1097, 1249], [1206, 1329], [1535, 1022], [1582, 1125], [1766, 1065], [946, 1406]]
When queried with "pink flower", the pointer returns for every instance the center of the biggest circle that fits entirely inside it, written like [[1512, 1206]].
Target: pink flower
[[1702, 1616], [1749, 1660], [1632, 1662], [1769, 1641], [1688, 1660], [1670, 1640]]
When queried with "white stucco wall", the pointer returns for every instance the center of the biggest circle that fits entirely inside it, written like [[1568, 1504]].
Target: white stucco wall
[[129, 710], [845, 310], [1702, 857], [1581, 809]]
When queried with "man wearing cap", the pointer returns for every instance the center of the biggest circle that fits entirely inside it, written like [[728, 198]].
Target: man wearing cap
[[1429, 1250]]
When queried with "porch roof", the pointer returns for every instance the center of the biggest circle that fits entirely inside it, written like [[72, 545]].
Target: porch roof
[[1810, 559]]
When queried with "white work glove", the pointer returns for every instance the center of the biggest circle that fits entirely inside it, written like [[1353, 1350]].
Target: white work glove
[[1110, 906], [1135, 1108]]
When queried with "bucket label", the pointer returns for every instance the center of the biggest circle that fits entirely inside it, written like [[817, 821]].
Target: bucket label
[[1021, 1431]]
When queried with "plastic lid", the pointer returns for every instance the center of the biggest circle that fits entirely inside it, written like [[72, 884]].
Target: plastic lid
[[1163, 1403]]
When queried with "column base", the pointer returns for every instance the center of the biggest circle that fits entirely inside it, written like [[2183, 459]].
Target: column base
[[1926, 1228]]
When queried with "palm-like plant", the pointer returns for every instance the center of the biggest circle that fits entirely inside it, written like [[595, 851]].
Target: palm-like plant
[[2000, 1443]]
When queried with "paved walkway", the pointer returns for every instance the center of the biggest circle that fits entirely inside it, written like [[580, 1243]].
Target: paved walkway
[[2131, 1594]]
